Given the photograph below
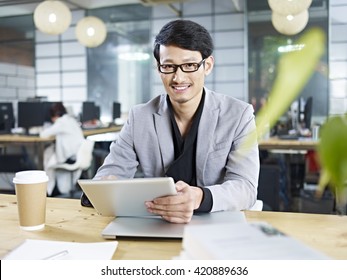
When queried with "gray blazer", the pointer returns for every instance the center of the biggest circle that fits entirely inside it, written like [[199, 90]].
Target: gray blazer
[[227, 168]]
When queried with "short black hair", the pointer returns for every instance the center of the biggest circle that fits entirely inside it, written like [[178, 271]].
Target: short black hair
[[57, 110], [184, 34]]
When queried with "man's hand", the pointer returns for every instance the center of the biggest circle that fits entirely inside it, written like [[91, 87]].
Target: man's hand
[[177, 208]]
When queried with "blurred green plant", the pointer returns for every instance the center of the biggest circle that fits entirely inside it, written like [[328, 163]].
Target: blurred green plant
[[295, 68], [332, 151]]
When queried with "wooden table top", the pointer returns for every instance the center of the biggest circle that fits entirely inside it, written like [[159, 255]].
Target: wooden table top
[[18, 138], [101, 130], [67, 220], [276, 143], [22, 138]]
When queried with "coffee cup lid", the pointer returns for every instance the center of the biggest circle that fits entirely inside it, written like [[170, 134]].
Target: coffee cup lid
[[30, 177]]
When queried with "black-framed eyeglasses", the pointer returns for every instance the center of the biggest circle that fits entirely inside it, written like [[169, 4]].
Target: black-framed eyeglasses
[[185, 67]]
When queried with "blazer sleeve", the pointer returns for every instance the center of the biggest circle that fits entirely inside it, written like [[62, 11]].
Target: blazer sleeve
[[122, 160], [239, 188]]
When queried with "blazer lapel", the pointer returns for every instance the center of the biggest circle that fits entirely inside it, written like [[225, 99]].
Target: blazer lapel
[[163, 128], [207, 126]]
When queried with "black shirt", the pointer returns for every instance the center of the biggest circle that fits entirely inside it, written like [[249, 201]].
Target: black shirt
[[184, 165]]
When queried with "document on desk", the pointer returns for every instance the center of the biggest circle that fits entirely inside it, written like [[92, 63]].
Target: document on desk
[[59, 250], [239, 241]]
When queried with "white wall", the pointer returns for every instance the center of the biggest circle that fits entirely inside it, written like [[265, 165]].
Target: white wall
[[17, 82], [338, 57]]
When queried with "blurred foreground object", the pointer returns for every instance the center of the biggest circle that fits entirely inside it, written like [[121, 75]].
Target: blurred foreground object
[[295, 68], [332, 150]]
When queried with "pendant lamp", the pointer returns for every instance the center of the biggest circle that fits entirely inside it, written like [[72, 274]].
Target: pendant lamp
[[91, 31], [289, 7], [290, 24], [52, 17]]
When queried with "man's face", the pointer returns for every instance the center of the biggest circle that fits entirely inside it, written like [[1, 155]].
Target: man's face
[[180, 86]]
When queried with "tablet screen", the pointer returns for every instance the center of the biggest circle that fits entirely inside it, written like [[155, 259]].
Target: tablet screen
[[126, 197]]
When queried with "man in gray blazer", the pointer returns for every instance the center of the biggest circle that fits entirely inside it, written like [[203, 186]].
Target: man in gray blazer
[[198, 137]]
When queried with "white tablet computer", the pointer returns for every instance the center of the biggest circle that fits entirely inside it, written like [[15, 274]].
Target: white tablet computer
[[126, 197]]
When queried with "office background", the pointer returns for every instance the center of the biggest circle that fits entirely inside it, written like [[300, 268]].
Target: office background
[[122, 69], [61, 69]]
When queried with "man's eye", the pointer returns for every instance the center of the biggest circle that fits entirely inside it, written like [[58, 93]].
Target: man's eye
[[167, 66], [189, 65]]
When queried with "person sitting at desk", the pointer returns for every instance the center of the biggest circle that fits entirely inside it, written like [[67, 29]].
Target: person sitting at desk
[[68, 138], [191, 133]]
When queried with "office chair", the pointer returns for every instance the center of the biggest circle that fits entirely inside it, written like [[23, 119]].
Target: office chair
[[83, 162], [271, 187]]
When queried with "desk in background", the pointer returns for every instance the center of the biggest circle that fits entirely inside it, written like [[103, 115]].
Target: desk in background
[[102, 130], [275, 143], [290, 161], [39, 144], [67, 220]]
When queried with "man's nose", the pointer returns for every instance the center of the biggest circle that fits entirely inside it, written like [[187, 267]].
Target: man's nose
[[178, 75]]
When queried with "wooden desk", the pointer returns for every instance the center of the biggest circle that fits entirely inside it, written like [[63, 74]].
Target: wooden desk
[[40, 143], [68, 221], [290, 149], [275, 143], [102, 130]]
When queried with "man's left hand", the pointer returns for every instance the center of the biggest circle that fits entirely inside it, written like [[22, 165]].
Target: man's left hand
[[177, 208]]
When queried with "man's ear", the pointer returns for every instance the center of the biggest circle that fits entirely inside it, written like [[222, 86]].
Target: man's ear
[[209, 62]]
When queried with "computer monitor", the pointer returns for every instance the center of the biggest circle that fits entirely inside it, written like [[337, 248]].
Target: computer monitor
[[47, 110], [305, 112], [308, 112], [116, 110], [31, 114], [97, 112], [90, 112], [6, 117]]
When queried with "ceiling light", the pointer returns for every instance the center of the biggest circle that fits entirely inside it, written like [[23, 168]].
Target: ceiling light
[[91, 31], [290, 24], [52, 17], [289, 7]]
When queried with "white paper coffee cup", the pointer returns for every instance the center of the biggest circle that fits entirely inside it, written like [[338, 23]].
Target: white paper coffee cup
[[30, 177], [31, 190]]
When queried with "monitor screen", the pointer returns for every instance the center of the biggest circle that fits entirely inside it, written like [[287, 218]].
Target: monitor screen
[[90, 112], [6, 117], [308, 112], [97, 112], [116, 112], [31, 114], [47, 107]]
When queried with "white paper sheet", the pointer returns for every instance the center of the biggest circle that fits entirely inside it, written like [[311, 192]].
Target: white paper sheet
[[252, 241], [58, 250]]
